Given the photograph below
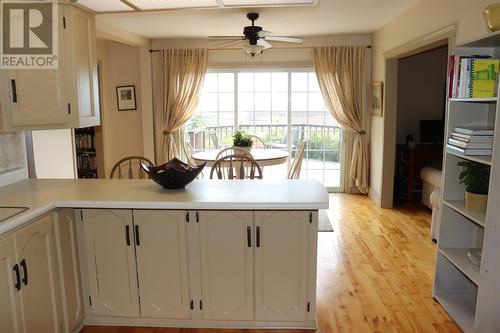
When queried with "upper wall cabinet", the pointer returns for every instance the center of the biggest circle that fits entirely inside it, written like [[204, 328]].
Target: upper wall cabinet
[[67, 97]]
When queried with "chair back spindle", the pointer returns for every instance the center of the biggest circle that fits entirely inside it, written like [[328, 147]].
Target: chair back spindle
[[127, 165]]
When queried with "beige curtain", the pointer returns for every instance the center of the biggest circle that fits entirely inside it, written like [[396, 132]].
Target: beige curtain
[[341, 76], [177, 83]]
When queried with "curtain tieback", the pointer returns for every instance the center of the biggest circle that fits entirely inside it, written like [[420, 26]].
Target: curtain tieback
[[361, 132], [166, 133]]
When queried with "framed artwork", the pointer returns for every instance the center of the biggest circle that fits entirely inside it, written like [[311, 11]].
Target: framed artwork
[[125, 96], [377, 99]]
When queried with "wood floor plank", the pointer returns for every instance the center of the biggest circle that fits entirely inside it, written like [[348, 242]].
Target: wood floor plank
[[375, 274]]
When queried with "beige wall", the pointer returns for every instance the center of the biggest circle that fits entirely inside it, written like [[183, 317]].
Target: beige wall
[[425, 18], [121, 130], [53, 152], [423, 74]]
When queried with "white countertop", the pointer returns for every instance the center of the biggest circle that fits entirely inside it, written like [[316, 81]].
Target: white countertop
[[42, 195]]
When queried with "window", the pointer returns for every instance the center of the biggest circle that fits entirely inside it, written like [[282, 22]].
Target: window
[[282, 107]]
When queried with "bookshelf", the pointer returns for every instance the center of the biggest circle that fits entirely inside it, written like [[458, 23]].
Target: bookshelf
[[470, 296], [85, 147]]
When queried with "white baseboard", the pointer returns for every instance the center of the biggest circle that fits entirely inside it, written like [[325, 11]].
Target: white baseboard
[[372, 194], [194, 323]]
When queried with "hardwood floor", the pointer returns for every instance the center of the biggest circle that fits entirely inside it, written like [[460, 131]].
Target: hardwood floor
[[375, 274]]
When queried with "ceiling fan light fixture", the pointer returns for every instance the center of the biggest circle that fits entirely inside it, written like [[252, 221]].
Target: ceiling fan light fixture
[[253, 50]]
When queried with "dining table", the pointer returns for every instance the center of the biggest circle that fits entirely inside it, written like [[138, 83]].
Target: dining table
[[263, 156]]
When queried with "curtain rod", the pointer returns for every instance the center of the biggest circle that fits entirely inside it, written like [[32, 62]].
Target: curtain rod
[[276, 48]]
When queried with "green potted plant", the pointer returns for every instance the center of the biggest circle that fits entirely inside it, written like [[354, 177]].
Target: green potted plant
[[476, 177], [240, 139]]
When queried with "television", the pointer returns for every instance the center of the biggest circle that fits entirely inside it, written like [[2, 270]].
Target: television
[[432, 131]]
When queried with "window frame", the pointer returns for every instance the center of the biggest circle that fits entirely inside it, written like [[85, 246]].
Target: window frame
[[289, 70]]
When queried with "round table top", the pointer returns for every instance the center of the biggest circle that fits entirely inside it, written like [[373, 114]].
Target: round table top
[[262, 156]]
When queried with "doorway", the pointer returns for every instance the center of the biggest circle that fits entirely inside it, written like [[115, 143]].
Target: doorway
[[444, 37], [421, 104]]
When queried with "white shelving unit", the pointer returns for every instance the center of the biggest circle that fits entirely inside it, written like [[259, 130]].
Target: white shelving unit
[[471, 297]]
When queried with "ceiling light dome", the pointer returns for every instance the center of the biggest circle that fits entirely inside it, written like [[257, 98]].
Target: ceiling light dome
[[253, 49]]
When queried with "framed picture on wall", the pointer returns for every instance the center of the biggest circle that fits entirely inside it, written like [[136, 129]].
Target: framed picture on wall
[[125, 96], [377, 99]]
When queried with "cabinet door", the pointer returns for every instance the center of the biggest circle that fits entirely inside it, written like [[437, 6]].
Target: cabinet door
[[109, 250], [281, 265], [40, 294], [226, 265], [161, 247], [10, 309], [68, 268], [41, 93], [84, 66]]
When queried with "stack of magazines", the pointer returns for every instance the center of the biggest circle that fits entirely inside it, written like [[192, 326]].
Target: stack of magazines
[[471, 140]]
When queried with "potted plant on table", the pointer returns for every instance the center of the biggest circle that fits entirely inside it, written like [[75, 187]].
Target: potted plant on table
[[240, 139], [476, 177]]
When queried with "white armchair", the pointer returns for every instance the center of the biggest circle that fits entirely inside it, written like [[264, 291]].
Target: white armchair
[[432, 196]]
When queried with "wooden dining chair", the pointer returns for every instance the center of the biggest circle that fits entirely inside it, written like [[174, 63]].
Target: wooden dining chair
[[294, 171], [130, 167], [236, 167], [233, 151], [257, 142]]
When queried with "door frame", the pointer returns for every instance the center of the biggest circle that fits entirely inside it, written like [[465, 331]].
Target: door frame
[[445, 36]]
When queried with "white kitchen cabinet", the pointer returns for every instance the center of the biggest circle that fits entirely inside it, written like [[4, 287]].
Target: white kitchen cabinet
[[69, 272], [82, 74], [162, 263], [281, 262], [110, 255], [67, 97], [10, 284], [40, 290], [227, 265]]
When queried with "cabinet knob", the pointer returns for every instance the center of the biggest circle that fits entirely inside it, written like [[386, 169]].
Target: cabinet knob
[[127, 234], [25, 271], [14, 90], [17, 285]]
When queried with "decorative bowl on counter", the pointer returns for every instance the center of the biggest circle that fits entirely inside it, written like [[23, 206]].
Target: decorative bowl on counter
[[174, 174]]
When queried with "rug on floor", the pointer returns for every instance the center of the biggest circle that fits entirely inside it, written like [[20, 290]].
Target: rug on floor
[[324, 224]]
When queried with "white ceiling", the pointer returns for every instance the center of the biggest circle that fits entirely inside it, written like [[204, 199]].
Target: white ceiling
[[326, 18]]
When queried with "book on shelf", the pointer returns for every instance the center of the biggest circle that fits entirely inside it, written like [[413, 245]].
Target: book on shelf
[[483, 77], [470, 151], [472, 76], [474, 130], [471, 138], [470, 145]]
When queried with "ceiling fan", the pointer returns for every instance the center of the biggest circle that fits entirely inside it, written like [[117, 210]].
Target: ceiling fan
[[254, 39]]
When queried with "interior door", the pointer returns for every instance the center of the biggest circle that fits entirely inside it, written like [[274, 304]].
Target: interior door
[[162, 267], [68, 268], [227, 265], [281, 265], [110, 254], [40, 294], [10, 309]]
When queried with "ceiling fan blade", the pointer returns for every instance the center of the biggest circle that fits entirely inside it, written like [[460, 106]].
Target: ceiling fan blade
[[285, 39], [233, 42], [264, 33], [263, 43], [226, 37]]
